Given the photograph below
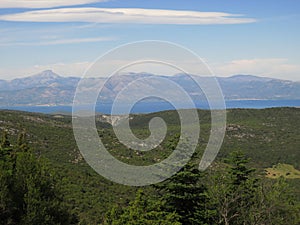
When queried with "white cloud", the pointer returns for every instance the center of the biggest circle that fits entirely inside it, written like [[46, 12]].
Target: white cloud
[[43, 3], [58, 41], [127, 15], [279, 68]]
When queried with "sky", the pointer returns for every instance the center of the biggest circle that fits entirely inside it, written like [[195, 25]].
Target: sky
[[257, 37]]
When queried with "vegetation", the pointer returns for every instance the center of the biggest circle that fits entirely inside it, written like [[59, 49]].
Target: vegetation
[[232, 195], [186, 194], [241, 197], [283, 170], [45, 180], [142, 210], [29, 193]]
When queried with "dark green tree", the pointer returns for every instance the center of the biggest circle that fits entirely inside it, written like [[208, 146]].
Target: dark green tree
[[22, 144], [233, 190], [186, 194], [238, 170], [142, 211], [7, 206], [29, 192], [4, 140], [5, 147]]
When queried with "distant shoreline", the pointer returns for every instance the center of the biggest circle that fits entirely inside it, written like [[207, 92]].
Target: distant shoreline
[[150, 107]]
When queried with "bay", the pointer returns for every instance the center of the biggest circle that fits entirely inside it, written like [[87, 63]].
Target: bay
[[149, 107]]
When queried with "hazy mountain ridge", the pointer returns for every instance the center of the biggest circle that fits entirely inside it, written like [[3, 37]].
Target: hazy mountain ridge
[[49, 88], [44, 79]]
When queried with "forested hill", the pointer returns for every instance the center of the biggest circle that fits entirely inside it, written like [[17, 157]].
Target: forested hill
[[269, 138]]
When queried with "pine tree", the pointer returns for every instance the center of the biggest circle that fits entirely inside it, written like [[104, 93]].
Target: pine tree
[[5, 146], [142, 211], [238, 168], [4, 140], [185, 194], [22, 144], [233, 190], [29, 192]]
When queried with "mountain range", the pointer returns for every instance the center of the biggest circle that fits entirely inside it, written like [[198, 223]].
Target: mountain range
[[49, 88]]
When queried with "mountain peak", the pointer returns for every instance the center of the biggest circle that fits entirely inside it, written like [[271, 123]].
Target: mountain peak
[[47, 71], [47, 74]]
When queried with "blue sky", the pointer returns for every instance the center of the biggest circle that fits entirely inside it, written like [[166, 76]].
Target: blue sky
[[259, 37]]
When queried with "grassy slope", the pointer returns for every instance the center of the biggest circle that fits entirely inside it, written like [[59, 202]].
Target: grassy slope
[[285, 170]]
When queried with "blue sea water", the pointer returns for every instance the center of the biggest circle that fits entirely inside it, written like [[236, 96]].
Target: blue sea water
[[147, 107]]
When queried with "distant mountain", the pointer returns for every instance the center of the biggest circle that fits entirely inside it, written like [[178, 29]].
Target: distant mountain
[[49, 88], [46, 87], [254, 87], [44, 79]]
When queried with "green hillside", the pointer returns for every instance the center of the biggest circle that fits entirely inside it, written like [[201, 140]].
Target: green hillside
[[267, 136]]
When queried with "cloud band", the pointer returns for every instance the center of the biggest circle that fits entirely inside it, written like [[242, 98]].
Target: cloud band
[[43, 3], [127, 15]]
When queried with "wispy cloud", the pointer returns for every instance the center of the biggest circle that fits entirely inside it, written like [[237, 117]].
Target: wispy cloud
[[127, 15], [44, 3], [58, 41]]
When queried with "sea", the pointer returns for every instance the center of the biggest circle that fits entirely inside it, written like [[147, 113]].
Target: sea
[[150, 107]]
